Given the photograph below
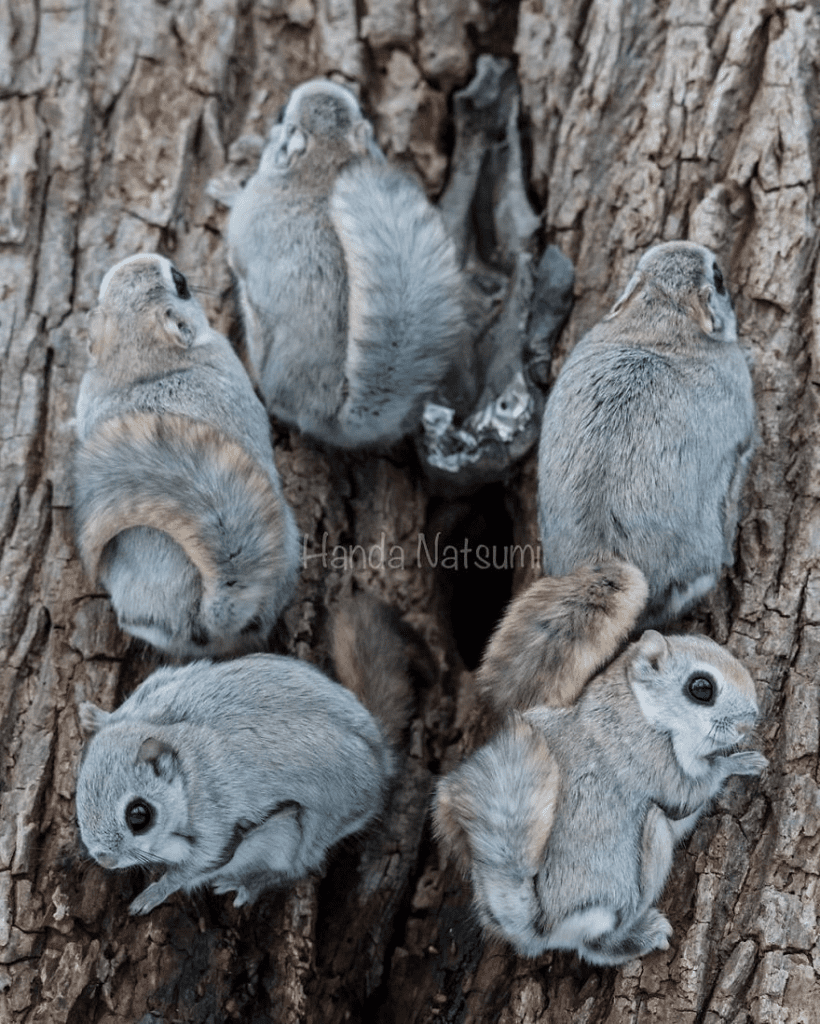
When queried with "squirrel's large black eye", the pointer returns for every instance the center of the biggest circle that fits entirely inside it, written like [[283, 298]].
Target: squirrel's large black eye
[[701, 689], [138, 816], [180, 283], [718, 277]]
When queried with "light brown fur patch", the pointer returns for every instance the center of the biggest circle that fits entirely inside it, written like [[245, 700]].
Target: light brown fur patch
[[500, 805], [453, 813], [113, 511], [558, 633], [543, 795]]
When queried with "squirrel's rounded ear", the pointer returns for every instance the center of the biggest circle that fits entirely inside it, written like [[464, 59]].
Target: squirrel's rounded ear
[[92, 718], [360, 136], [713, 313], [296, 143], [160, 755], [175, 327], [626, 295], [652, 648], [700, 309], [97, 331]]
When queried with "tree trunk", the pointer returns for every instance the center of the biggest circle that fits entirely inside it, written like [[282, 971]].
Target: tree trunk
[[642, 122]]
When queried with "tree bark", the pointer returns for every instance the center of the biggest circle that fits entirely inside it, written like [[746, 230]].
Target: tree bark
[[642, 122]]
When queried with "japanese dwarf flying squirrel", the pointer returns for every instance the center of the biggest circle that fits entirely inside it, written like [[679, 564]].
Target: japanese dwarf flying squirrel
[[241, 775], [348, 283], [178, 507], [648, 432], [567, 820]]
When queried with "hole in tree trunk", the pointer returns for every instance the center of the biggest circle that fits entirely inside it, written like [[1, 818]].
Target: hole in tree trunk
[[472, 544]]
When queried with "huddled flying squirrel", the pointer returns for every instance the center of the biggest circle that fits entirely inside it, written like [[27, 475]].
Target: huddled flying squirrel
[[566, 821], [178, 507], [240, 775], [648, 433], [348, 283]]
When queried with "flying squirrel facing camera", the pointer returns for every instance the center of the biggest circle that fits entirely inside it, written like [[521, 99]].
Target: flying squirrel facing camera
[[567, 820], [241, 775]]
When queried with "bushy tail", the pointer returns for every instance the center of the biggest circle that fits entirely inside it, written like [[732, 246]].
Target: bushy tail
[[377, 655], [495, 813], [405, 317], [558, 633], [198, 486]]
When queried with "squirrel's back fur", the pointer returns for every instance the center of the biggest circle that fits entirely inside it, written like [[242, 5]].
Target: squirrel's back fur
[[349, 285], [648, 433], [188, 480]]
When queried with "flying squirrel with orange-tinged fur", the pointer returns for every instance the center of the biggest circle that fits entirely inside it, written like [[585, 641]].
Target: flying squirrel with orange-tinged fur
[[566, 821], [178, 506]]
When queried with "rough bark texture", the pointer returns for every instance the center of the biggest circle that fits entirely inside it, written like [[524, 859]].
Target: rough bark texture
[[643, 122]]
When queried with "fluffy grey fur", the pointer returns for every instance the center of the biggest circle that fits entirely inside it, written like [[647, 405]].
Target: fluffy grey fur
[[245, 773], [348, 283], [648, 433], [179, 510], [567, 820]]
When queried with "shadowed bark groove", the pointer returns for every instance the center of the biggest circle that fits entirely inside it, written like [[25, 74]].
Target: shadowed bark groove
[[641, 122]]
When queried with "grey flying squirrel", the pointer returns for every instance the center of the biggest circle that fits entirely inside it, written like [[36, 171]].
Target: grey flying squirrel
[[348, 283], [648, 432], [178, 507], [240, 775], [566, 821]]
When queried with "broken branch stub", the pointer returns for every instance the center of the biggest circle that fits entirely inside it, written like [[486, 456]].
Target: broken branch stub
[[487, 415]]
